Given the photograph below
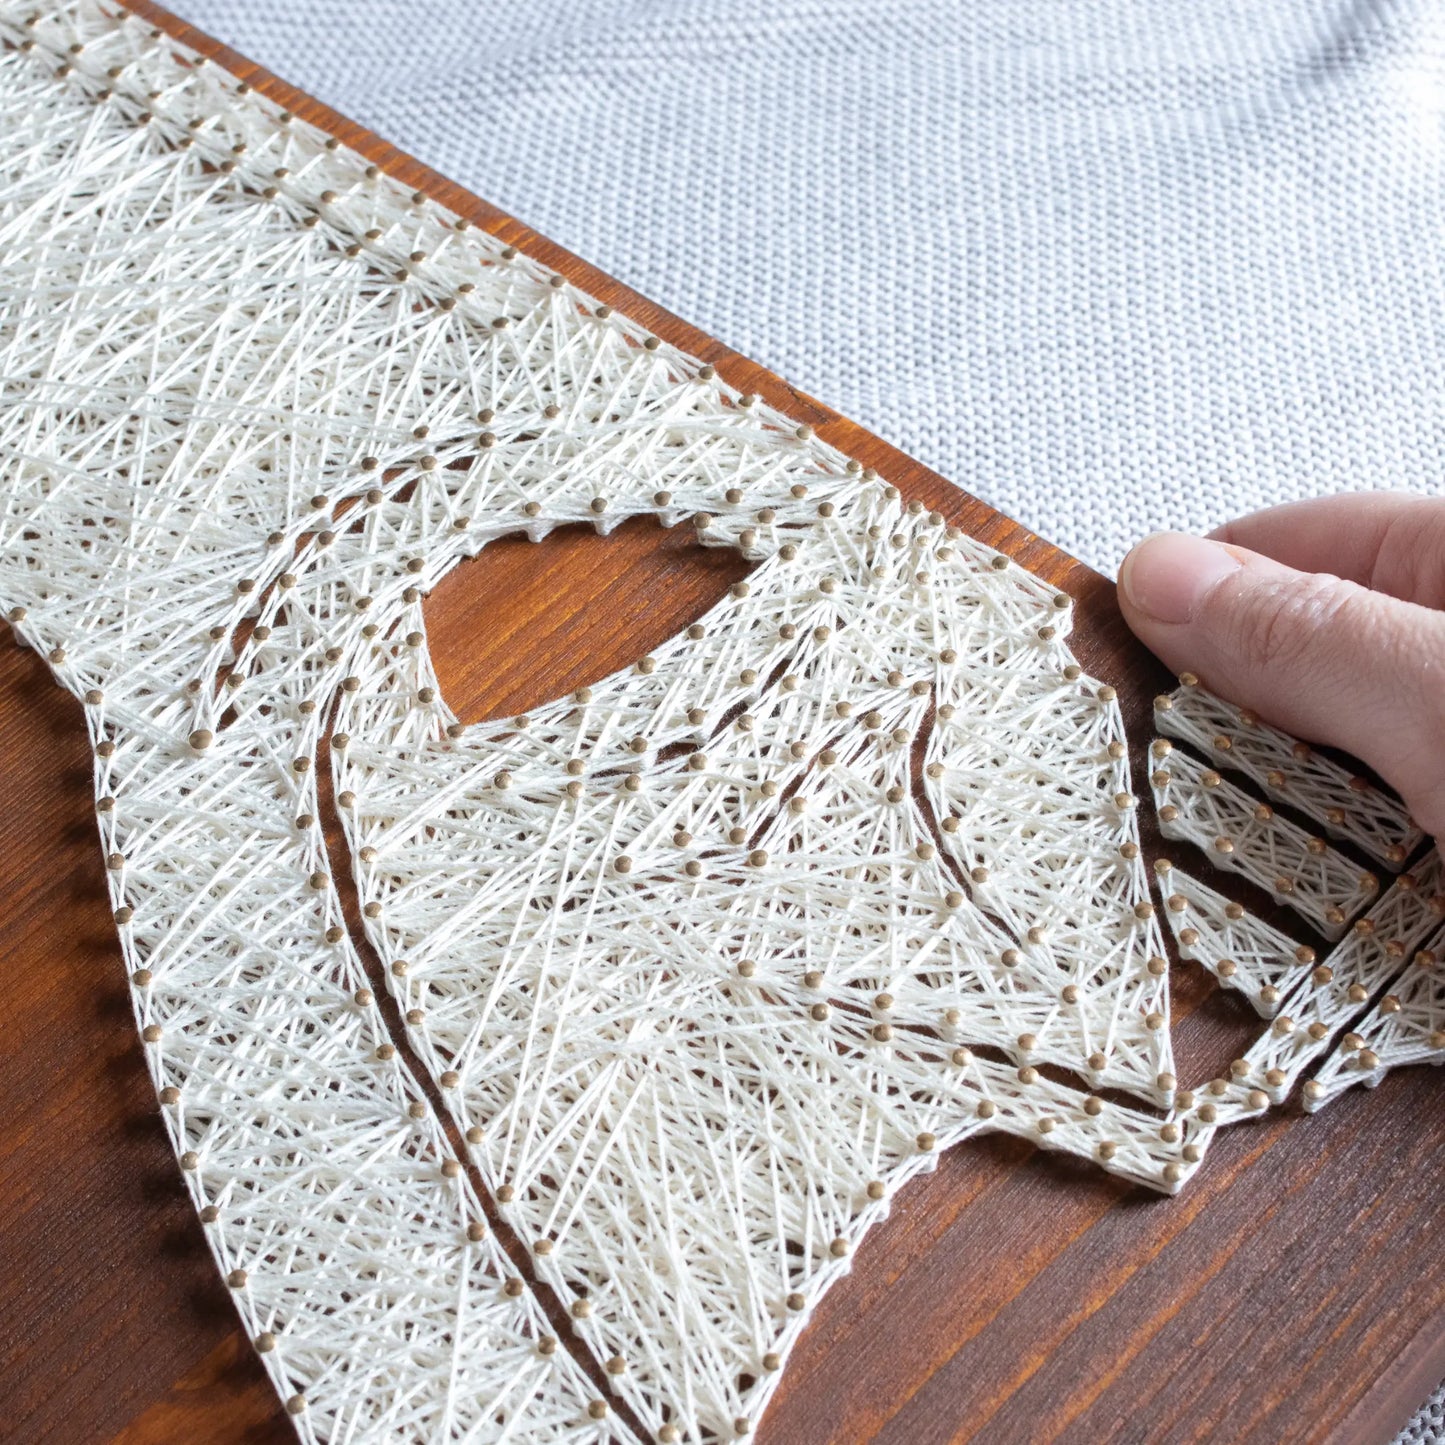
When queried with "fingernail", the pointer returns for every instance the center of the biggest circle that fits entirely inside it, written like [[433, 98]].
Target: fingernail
[[1167, 576]]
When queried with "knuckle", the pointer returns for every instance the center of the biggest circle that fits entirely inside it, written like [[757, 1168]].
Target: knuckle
[[1410, 559], [1426, 800], [1279, 624]]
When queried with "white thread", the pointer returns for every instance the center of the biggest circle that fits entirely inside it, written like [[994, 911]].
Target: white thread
[[1243, 952], [1243, 835], [1407, 1026], [1345, 804], [254, 383], [1368, 980]]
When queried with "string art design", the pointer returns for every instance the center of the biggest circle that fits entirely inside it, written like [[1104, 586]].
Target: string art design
[[1383, 977], [701, 964]]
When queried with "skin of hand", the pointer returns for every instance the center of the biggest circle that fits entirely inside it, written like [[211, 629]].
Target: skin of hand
[[1326, 617]]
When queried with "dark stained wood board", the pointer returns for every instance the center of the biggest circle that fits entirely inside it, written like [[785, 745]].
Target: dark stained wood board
[[1294, 1292]]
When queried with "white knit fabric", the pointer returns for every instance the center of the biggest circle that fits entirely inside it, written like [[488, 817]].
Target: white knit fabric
[[1113, 265]]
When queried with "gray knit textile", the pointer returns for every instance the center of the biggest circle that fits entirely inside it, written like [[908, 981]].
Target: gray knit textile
[[1113, 265]]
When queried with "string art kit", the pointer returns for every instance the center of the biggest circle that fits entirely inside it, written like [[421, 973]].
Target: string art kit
[[692, 969]]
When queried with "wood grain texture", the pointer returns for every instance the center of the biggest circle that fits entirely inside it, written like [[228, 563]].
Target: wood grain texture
[[1295, 1292]]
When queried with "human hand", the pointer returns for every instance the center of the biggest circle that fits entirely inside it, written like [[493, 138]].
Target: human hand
[[1326, 617]]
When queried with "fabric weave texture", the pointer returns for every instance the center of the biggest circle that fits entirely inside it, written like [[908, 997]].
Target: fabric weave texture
[[1111, 265]]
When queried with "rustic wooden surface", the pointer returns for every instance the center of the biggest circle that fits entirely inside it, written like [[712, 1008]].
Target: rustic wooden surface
[[1295, 1292]]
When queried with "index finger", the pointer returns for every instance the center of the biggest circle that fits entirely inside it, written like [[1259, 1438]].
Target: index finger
[[1391, 542]]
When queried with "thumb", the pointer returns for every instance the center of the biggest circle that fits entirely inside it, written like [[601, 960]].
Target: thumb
[[1326, 659]]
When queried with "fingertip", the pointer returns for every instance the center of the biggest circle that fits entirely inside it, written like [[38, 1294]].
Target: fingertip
[[1166, 578]]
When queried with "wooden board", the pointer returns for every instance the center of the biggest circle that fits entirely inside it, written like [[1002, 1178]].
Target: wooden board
[[1295, 1292]]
